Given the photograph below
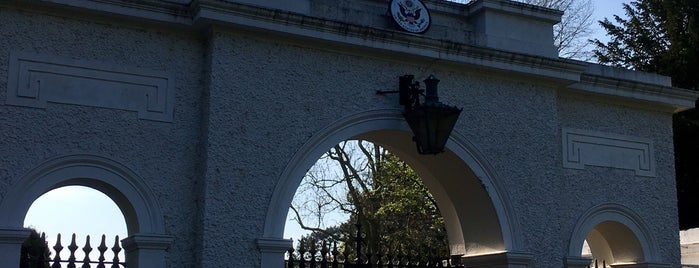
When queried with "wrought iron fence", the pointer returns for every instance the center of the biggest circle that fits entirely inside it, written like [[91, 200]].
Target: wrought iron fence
[[596, 264], [43, 260], [326, 258], [315, 254]]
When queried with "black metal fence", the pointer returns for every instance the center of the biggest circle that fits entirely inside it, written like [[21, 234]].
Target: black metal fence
[[598, 264], [333, 259], [43, 259], [315, 254]]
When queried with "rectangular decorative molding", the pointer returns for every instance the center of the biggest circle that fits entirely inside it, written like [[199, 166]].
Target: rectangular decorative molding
[[590, 148], [35, 80]]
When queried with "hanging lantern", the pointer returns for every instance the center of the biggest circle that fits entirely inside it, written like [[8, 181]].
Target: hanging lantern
[[431, 121]]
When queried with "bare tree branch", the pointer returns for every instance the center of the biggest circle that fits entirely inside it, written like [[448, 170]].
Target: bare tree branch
[[305, 227], [572, 33], [373, 187]]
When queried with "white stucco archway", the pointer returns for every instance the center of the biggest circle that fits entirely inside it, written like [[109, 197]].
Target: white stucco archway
[[472, 204], [617, 234], [145, 246]]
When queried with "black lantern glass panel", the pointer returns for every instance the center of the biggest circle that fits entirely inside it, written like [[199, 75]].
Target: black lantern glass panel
[[431, 125], [431, 121]]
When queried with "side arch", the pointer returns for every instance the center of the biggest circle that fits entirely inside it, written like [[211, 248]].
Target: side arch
[[146, 244], [367, 124], [140, 209], [616, 229]]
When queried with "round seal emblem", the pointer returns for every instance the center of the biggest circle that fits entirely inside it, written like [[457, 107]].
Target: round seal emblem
[[410, 15]]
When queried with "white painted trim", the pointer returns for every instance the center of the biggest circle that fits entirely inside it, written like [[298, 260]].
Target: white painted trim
[[388, 41], [167, 11], [498, 195], [576, 262], [642, 91], [593, 148], [124, 187], [11, 246], [270, 249], [615, 213], [34, 80], [309, 153], [146, 244], [643, 265], [146, 241], [579, 77], [368, 121], [146, 250], [503, 259]]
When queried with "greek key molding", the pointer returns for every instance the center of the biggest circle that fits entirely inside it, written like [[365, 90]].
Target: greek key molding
[[35, 80], [591, 148]]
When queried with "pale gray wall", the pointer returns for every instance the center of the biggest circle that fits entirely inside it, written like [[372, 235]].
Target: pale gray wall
[[654, 198], [246, 101], [165, 155]]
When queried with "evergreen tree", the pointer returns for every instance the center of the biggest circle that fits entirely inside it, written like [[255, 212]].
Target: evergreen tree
[[35, 251], [659, 36], [685, 126]]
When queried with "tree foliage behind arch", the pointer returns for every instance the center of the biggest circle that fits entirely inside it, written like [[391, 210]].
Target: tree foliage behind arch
[[35, 251], [378, 191]]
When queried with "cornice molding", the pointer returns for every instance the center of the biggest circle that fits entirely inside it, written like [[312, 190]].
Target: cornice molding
[[542, 13], [289, 23], [150, 10], [202, 14], [678, 99], [574, 76]]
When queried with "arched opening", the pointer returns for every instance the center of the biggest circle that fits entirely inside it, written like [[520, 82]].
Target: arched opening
[[474, 207], [360, 191], [83, 214], [613, 243], [472, 223], [146, 242], [614, 235]]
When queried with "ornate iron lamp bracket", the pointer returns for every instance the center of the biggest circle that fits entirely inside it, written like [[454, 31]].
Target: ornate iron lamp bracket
[[431, 121]]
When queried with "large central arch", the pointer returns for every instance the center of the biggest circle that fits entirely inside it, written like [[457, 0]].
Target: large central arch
[[472, 202]]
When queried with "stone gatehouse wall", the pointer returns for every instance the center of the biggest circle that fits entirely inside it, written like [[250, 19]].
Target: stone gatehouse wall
[[207, 105]]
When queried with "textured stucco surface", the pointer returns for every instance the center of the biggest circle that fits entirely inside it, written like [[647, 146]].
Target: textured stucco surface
[[246, 102], [165, 155], [266, 99], [447, 17], [249, 71], [653, 198]]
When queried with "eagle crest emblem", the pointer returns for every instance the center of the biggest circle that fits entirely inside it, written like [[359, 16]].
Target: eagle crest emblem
[[410, 15]]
